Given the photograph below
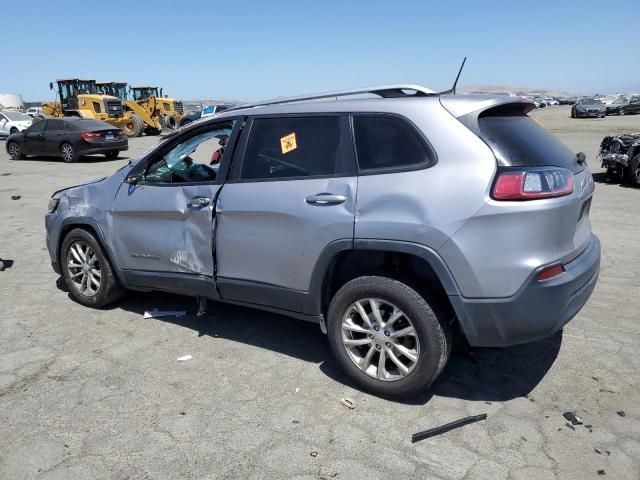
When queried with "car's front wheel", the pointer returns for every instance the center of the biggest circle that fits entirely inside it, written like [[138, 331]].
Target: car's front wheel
[[15, 152], [112, 155], [86, 270], [387, 337]]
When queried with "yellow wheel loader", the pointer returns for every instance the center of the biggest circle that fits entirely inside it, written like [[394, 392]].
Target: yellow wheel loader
[[145, 111], [80, 98], [169, 109]]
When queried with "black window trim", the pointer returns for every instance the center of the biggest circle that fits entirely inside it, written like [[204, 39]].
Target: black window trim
[[141, 167], [432, 156], [348, 148]]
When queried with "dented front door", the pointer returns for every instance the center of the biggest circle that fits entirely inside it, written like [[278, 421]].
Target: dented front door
[[164, 228]]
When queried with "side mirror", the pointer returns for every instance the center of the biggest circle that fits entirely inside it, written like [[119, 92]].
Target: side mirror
[[581, 158], [50, 85], [132, 179]]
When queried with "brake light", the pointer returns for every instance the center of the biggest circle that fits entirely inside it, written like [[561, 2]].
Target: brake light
[[88, 135], [549, 272], [121, 134], [532, 183]]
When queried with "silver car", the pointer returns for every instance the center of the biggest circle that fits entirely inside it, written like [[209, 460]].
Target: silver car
[[392, 221]]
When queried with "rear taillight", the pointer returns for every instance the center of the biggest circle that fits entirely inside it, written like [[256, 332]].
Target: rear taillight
[[88, 135], [121, 134], [532, 183]]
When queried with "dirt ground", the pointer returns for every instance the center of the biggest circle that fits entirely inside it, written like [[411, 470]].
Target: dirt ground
[[98, 394]]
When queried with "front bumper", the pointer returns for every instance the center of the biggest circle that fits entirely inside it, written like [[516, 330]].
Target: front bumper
[[538, 310], [586, 113]]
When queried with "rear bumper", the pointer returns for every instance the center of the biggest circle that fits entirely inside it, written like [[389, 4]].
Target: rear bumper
[[91, 149], [538, 310]]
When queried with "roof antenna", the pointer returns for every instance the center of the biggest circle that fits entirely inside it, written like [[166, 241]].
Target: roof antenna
[[455, 84]]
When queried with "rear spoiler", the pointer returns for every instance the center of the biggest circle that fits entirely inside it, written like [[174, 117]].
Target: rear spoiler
[[460, 105]]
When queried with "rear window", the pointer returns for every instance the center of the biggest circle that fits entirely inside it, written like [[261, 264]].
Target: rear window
[[519, 141], [88, 125]]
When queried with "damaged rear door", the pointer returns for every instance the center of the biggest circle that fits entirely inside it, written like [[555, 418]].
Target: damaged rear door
[[162, 218]]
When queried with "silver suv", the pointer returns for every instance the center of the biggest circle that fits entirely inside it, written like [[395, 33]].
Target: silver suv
[[391, 220]]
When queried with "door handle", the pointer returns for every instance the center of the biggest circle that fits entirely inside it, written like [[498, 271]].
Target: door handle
[[325, 199], [198, 202]]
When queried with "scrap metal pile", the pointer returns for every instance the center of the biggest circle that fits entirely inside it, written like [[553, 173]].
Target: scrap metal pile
[[620, 155]]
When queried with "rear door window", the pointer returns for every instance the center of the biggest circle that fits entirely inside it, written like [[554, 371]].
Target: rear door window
[[295, 147], [386, 142], [55, 125], [517, 140]]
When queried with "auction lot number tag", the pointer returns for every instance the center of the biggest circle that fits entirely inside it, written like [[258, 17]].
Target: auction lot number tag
[[288, 143]]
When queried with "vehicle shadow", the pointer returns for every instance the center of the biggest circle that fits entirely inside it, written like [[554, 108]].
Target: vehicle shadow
[[489, 374], [5, 264], [83, 159], [602, 177]]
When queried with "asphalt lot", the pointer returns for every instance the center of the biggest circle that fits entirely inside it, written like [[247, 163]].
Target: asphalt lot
[[98, 394]]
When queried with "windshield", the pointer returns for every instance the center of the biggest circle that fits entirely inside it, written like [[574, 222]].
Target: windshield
[[590, 101], [17, 117]]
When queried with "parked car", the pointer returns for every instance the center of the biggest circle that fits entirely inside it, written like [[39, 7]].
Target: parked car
[[567, 100], [190, 117], [209, 110], [614, 107], [13, 122], [633, 106], [538, 102], [390, 273], [70, 138], [34, 111], [588, 107], [551, 101]]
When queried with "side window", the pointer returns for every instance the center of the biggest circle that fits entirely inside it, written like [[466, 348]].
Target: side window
[[194, 159], [384, 142], [37, 127], [291, 147], [55, 125]]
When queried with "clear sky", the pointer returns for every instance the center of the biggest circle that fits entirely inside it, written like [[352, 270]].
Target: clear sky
[[249, 50]]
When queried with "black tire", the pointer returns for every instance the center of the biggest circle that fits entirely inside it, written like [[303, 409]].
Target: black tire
[[14, 150], [169, 122], [109, 290], [633, 170], [433, 335], [135, 127], [573, 114], [68, 153], [112, 155]]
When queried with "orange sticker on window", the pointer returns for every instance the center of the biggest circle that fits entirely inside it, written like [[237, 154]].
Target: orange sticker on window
[[288, 143]]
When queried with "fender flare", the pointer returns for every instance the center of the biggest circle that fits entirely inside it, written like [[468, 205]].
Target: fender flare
[[72, 222], [313, 305]]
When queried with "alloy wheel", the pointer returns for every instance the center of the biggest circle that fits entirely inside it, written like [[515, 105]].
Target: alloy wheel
[[84, 268], [67, 152], [14, 150], [380, 339]]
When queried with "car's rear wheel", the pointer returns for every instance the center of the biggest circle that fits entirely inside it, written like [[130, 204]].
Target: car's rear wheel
[[69, 154], [15, 152], [112, 155], [387, 337], [86, 270]]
